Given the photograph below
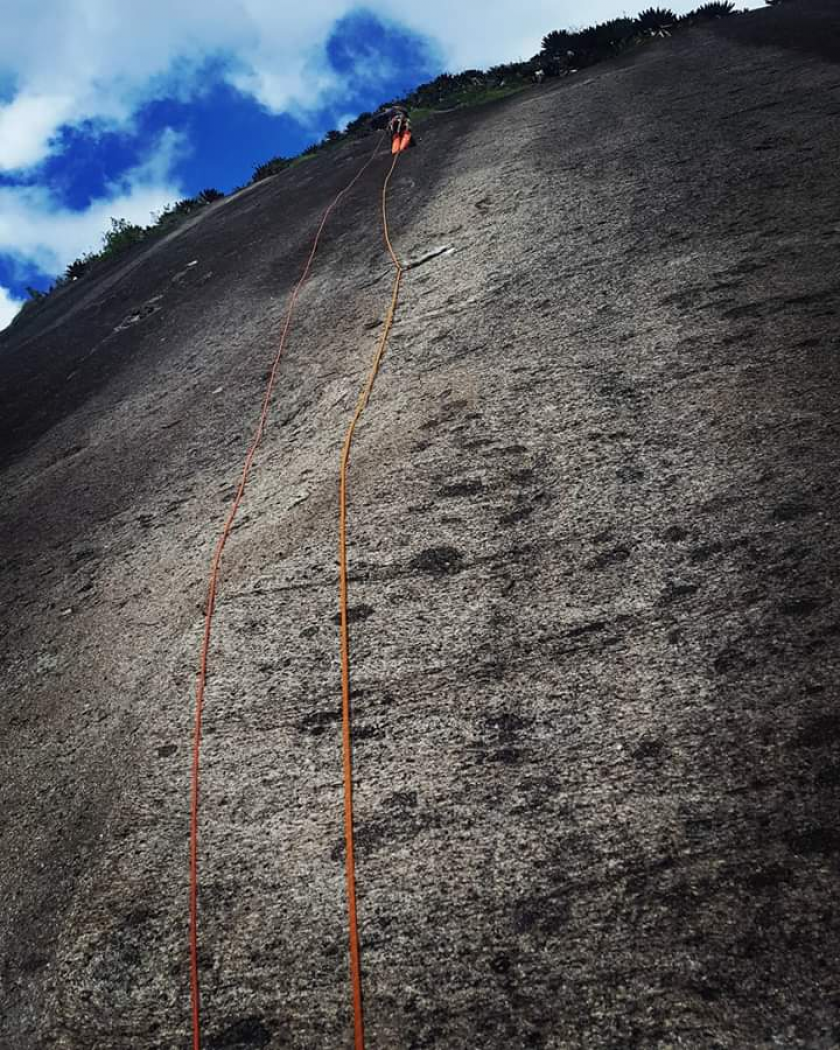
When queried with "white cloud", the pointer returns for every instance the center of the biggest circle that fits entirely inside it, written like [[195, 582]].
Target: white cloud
[[99, 60], [37, 232], [9, 306], [75, 60], [26, 126]]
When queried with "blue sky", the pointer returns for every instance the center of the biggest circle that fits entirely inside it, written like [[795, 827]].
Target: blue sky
[[110, 108]]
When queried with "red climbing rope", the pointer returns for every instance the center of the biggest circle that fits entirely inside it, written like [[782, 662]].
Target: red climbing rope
[[201, 683], [350, 863]]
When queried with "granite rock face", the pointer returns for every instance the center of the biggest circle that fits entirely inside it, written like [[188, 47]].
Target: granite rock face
[[594, 559]]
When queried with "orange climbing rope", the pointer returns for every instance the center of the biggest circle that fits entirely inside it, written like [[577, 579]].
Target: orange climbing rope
[[195, 999], [350, 867]]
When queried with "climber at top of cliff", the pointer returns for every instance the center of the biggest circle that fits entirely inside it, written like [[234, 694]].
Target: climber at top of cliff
[[395, 120]]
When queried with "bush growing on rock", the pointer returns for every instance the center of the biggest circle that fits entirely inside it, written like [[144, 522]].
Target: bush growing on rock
[[557, 42], [78, 267], [656, 20], [359, 125], [712, 10], [122, 235], [270, 167]]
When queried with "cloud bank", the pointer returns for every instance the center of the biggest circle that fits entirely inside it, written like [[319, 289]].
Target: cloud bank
[[8, 308]]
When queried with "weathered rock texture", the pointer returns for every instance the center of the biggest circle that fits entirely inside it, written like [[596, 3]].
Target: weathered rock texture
[[594, 562]]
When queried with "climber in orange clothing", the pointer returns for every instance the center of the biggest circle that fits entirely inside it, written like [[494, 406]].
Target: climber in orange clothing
[[401, 134], [395, 120]]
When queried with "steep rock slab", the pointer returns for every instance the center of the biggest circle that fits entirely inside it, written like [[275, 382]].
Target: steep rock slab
[[593, 555]]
